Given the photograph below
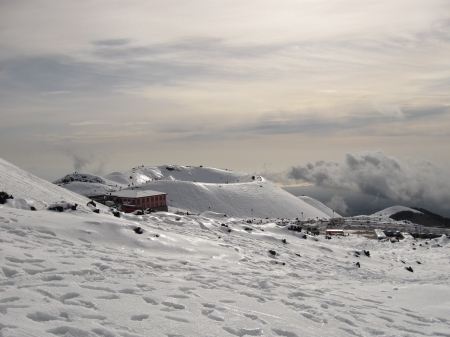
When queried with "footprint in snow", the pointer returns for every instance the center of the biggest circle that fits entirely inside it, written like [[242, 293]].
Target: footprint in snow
[[281, 332], [139, 317], [243, 331], [178, 319], [150, 300], [173, 305]]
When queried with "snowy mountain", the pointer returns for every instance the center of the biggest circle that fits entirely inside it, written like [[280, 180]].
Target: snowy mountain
[[319, 205], [393, 210], [200, 189], [78, 273]]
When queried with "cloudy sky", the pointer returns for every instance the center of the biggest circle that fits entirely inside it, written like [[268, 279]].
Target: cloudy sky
[[254, 86]]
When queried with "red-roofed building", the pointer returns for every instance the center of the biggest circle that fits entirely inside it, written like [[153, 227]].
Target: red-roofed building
[[132, 200]]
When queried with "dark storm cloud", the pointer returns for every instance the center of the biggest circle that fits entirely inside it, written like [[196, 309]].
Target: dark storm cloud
[[377, 174]]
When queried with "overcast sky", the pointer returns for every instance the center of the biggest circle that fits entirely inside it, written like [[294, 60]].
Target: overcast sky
[[254, 86]]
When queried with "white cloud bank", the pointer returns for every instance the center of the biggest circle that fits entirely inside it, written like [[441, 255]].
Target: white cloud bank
[[378, 174]]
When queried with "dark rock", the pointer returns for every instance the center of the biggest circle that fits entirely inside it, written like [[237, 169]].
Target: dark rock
[[367, 253], [138, 230], [5, 196], [56, 208], [409, 269], [358, 264], [272, 252], [32, 208], [74, 207], [96, 211]]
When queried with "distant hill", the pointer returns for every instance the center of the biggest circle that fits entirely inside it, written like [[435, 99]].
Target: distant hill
[[202, 189], [422, 217], [81, 177], [388, 212]]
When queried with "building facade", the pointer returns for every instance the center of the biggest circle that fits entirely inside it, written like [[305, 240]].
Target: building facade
[[132, 200]]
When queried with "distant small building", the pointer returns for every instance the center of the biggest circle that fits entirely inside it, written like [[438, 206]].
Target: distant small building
[[336, 221], [335, 232], [132, 200]]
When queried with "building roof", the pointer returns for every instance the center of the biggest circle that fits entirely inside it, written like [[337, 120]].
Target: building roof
[[136, 193]]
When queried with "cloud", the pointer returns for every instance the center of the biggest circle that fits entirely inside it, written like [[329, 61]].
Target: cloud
[[388, 110], [375, 173], [337, 204]]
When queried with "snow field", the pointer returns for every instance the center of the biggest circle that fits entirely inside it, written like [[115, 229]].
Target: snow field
[[84, 274]]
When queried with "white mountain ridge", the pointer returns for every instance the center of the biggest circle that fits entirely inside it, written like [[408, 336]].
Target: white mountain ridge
[[200, 189]]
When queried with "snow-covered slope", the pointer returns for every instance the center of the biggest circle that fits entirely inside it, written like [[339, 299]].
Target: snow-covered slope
[[387, 212], [200, 189], [262, 199], [320, 206], [80, 274], [143, 174], [29, 190]]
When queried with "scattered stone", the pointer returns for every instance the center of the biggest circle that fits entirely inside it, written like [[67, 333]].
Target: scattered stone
[[358, 264], [409, 269], [61, 207], [138, 230], [272, 252]]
